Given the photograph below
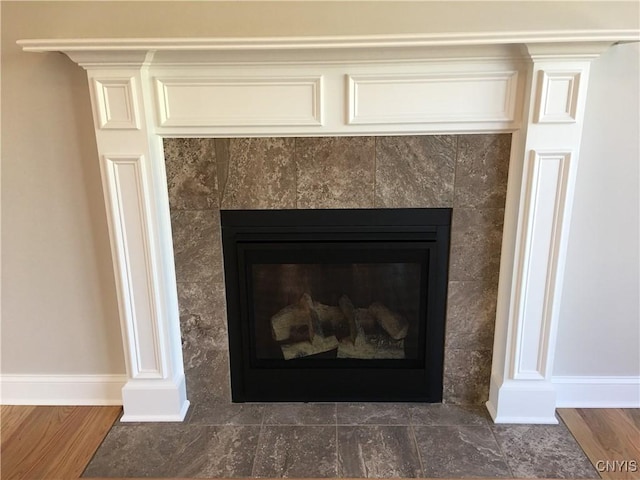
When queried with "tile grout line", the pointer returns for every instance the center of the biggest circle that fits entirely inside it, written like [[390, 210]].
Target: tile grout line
[[415, 442], [455, 172], [375, 170], [295, 173], [504, 457], [335, 411], [221, 191], [337, 464], [255, 454]]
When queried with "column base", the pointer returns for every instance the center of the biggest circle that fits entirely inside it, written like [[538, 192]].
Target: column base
[[522, 401], [154, 400]]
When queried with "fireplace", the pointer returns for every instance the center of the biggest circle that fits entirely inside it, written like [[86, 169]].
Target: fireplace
[[336, 305], [531, 84]]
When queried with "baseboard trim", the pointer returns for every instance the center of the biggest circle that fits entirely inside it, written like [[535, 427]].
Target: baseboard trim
[[61, 389], [597, 392], [158, 418]]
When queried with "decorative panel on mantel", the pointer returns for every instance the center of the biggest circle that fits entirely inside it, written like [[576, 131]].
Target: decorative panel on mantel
[[467, 172]]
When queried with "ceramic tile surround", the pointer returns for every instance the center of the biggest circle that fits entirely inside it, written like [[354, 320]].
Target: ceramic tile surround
[[466, 172]]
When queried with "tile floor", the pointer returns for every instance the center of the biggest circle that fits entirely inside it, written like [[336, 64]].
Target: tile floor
[[339, 440]]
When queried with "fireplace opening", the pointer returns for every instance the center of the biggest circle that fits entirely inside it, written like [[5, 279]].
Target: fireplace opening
[[336, 305]]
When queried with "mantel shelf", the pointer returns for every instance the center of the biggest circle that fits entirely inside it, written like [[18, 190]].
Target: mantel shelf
[[97, 52], [328, 42]]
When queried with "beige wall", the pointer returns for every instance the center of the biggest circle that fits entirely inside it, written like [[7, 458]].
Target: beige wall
[[264, 18], [59, 312], [599, 332]]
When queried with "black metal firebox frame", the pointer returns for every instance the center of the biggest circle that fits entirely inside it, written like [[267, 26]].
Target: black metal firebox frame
[[420, 234]]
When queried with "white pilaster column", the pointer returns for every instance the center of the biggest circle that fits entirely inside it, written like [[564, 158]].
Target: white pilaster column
[[136, 198], [544, 163]]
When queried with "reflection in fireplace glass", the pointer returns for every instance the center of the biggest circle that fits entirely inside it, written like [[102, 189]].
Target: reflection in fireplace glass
[[342, 311]]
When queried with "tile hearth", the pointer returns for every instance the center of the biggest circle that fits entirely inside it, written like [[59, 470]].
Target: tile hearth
[[340, 440]]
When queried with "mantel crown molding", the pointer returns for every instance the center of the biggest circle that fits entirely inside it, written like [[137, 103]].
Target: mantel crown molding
[[559, 51], [141, 51]]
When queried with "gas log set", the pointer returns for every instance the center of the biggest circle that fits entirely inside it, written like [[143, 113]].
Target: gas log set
[[308, 328]]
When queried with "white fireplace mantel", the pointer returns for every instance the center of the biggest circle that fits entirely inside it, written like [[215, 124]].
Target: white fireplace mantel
[[533, 85]]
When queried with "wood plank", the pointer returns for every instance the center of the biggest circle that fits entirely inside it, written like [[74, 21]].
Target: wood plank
[[84, 438], [634, 415], [11, 418], [56, 442], [25, 448], [607, 435]]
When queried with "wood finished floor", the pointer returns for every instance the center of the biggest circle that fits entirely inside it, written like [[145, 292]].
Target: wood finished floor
[[609, 437], [57, 442], [51, 442]]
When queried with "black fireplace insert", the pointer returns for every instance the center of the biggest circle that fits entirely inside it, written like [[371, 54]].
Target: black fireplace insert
[[336, 305]]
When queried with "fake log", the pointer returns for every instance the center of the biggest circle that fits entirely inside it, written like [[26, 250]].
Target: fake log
[[349, 313], [289, 318], [366, 321], [313, 320], [329, 315], [319, 344], [315, 317], [372, 347], [393, 323], [364, 346], [309, 328]]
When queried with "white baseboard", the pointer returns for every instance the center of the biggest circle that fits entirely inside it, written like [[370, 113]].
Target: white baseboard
[[597, 392], [61, 389]]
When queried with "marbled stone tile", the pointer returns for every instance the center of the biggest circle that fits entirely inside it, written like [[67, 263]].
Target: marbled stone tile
[[207, 377], [261, 174], [480, 227], [199, 297], [481, 170], [438, 414], [203, 311], [204, 331], [335, 172], [471, 313], [415, 171], [197, 333], [175, 451], [462, 451], [133, 451], [294, 451], [466, 376], [377, 452], [373, 414], [468, 263], [191, 173], [300, 414], [196, 247], [476, 238], [543, 451], [207, 413]]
